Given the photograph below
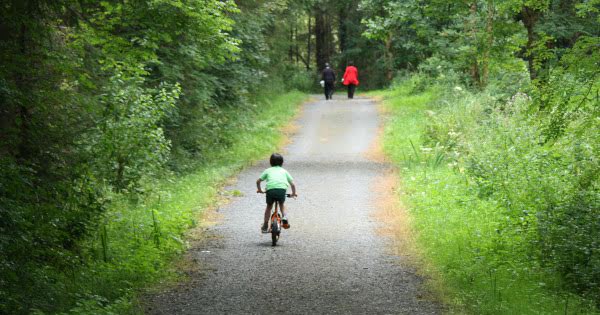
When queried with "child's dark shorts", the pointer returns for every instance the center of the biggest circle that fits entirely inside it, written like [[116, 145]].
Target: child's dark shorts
[[276, 194]]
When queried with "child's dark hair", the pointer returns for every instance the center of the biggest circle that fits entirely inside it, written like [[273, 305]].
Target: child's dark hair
[[276, 159]]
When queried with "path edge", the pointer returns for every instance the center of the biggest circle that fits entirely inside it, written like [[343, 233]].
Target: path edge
[[395, 221], [185, 265]]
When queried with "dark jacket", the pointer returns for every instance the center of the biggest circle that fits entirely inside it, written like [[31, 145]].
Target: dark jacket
[[328, 75]]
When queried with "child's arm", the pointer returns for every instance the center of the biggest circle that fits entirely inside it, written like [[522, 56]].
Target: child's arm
[[258, 189], [291, 182], [293, 189]]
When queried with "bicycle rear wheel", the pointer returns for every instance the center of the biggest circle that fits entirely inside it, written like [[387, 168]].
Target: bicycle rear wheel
[[275, 230]]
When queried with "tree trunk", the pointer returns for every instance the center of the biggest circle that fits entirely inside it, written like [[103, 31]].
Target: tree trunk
[[343, 29], [120, 178], [530, 17], [489, 29], [291, 45], [296, 44], [320, 39], [23, 152], [389, 58], [329, 42], [309, 43], [474, 70]]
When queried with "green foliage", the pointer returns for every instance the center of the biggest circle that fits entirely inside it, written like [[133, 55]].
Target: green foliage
[[142, 238], [101, 104], [478, 40], [136, 240], [525, 144], [300, 80], [129, 142], [503, 219], [538, 183]]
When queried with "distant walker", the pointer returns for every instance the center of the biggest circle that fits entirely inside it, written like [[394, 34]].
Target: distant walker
[[350, 79], [329, 77]]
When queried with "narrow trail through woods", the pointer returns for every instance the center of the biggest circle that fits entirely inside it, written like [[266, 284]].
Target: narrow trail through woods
[[332, 260]]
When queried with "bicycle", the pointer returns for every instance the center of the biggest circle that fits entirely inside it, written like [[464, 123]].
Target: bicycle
[[275, 223]]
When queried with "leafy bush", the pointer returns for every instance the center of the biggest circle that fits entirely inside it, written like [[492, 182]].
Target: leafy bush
[[452, 119], [441, 71], [547, 190], [299, 79], [129, 141], [509, 220]]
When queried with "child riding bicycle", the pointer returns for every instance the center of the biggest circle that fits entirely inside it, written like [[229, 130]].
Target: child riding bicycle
[[278, 180]]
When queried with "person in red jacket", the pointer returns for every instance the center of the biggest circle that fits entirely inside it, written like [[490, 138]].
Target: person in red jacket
[[350, 79]]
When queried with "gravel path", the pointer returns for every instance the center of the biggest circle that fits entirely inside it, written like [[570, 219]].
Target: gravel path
[[331, 261]]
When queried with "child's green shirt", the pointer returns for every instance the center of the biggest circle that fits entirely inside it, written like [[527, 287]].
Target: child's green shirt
[[276, 177]]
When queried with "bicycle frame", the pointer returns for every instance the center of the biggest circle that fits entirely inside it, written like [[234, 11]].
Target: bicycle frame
[[275, 224], [275, 216]]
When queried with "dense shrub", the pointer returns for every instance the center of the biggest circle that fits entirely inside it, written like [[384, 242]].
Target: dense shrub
[[501, 216], [548, 190], [299, 79]]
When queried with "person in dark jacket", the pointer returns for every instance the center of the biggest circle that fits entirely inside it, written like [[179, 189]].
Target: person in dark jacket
[[329, 77]]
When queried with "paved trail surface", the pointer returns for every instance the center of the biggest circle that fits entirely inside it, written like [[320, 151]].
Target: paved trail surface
[[331, 261]]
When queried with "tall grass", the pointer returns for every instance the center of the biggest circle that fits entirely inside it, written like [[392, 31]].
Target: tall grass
[[475, 264], [138, 239]]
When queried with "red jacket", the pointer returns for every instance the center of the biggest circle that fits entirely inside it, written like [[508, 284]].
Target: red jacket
[[351, 75]]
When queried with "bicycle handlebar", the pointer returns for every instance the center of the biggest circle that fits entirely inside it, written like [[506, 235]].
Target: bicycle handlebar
[[287, 195]]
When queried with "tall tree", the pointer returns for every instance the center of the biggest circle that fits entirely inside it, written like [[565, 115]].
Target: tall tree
[[321, 37]]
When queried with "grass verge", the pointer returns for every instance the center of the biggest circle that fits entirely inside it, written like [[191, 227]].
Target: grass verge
[[138, 241], [472, 268]]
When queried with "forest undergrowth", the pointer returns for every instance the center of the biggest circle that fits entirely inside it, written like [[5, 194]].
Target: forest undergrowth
[[139, 239], [501, 223]]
